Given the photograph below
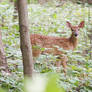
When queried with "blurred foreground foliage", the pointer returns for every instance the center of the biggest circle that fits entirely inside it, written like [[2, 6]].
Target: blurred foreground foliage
[[48, 19]]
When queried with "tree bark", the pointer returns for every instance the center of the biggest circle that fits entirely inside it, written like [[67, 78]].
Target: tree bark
[[3, 61], [25, 43]]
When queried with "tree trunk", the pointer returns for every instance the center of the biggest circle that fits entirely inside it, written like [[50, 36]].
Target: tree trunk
[[3, 61], [25, 44]]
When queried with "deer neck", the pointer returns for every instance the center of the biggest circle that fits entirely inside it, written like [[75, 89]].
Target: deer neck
[[73, 40]]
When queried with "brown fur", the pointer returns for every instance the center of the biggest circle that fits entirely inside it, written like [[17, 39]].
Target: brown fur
[[51, 41]]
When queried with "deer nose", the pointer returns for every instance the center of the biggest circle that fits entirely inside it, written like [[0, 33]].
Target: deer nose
[[76, 35]]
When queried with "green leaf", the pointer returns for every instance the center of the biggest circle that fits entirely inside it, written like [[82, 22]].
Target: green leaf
[[52, 86], [54, 15], [1, 90]]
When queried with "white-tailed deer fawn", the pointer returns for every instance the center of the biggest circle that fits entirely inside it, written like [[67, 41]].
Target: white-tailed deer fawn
[[50, 42]]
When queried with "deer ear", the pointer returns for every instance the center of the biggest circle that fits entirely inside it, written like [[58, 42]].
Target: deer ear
[[81, 25], [68, 24]]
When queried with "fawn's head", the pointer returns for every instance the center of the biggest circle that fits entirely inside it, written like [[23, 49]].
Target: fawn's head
[[75, 29]]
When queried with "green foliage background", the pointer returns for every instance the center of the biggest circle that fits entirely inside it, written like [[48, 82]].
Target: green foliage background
[[50, 20]]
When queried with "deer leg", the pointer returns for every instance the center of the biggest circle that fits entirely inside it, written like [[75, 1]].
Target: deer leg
[[64, 66], [58, 64], [64, 63]]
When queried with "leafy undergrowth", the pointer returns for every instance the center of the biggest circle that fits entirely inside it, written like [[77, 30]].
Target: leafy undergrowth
[[50, 20]]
